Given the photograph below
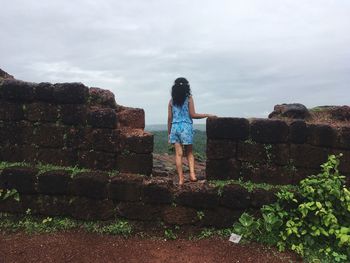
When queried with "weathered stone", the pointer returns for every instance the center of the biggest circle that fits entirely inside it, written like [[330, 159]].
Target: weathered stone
[[49, 135], [269, 131], [136, 142], [54, 182], [344, 138], [139, 211], [77, 138], [102, 118], [126, 188], [97, 160], [70, 93], [251, 152], [10, 205], [308, 156], [23, 179], [61, 157], [341, 113], [11, 153], [179, 215], [40, 112], [298, 132], [44, 92], [228, 128], [135, 163], [235, 196], [91, 209], [221, 149], [10, 111], [197, 198], [261, 197], [29, 153], [292, 110], [130, 117], [223, 169], [11, 133], [322, 135], [18, 90], [5, 75], [344, 165], [102, 97], [157, 192], [50, 205], [265, 173], [219, 217], [90, 184], [105, 140], [302, 173], [73, 114]]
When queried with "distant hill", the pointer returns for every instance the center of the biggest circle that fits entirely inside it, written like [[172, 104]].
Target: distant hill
[[163, 127]]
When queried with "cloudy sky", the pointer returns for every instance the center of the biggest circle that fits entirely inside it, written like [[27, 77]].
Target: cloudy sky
[[241, 56]]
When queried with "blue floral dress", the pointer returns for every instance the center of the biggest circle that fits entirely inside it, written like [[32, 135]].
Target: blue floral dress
[[182, 124]]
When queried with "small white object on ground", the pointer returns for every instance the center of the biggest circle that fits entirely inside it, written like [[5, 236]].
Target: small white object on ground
[[235, 238]]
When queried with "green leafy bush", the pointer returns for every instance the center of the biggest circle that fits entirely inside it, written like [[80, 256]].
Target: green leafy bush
[[315, 218]]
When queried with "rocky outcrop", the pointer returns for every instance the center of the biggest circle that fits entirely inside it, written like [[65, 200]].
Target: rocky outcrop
[[5, 75], [293, 111]]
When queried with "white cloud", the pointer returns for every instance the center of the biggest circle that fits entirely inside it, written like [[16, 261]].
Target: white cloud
[[241, 57]]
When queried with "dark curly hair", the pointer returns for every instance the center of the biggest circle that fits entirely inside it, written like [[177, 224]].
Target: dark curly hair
[[180, 91]]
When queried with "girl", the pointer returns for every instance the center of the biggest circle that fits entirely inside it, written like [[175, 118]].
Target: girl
[[180, 125]]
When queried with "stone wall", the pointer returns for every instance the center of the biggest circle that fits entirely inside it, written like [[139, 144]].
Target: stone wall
[[272, 151], [69, 124], [96, 195]]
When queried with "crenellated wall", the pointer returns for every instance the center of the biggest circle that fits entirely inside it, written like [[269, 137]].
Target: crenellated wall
[[69, 124], [272, 151]]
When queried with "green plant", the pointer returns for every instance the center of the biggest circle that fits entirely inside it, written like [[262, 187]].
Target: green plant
[[200, 215], [9, 193], [268, 152], [205, 233], [169, 234], [314, 218]]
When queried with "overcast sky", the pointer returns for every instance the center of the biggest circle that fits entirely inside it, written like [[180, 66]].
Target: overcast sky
[[241, 56]]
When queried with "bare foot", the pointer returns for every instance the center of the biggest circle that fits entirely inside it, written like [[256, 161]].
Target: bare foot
[[193, 178], [181, 181]]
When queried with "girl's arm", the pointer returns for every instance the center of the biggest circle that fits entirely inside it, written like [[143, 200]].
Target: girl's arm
[[170, 117], [193, 113]]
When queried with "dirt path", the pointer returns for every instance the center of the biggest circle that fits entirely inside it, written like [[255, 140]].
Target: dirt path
[[85, 247]]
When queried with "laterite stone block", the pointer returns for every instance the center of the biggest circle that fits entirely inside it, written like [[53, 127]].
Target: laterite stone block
[[235, 196], [197, 198], [23, 179], [157, 192], [135, 163], [102, 118], [126, 188], [139, 211], [228, 128], [10, 111], [90, 184], [70, 93], [269, 131], [54, 182], [18, 90], [322, 135], [130, 118], [223, 169], [136, 142], [97, 160], [308, 156], [73, 114], [221, 149], [40, 112], [298, 132]]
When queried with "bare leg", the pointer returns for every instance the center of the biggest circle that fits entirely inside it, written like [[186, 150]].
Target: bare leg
[[178, 161], [190, 159]]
